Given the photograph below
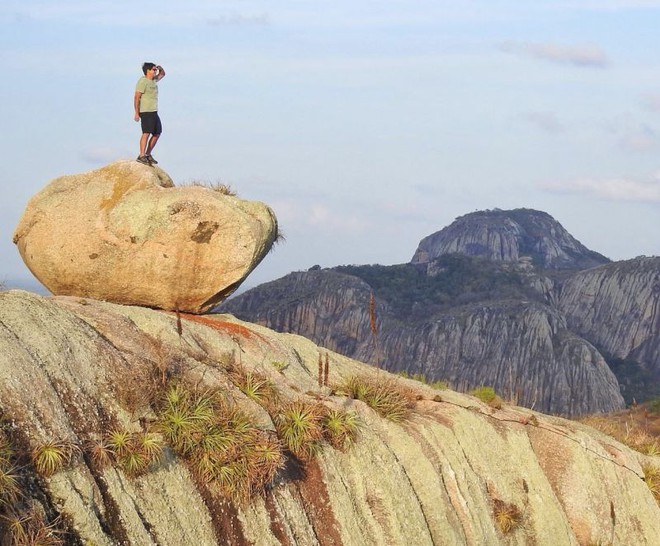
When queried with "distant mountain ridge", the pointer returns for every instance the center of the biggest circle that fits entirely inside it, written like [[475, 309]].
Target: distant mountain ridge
[[508, 236], [500, 298]]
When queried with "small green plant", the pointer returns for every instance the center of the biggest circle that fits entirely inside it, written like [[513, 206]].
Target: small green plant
[[218, 441], [280, 366], [654, 405], [488, 396], [52, 456], [340, 428], [299, 425], [386, 397], [508, 517], [134, 452], [254, 385]]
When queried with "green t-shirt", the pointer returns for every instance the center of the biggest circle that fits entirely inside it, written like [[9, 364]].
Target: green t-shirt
[[149, 98]]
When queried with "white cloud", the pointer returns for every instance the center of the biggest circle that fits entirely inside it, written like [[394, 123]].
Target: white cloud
[[612, 189], [579, 55]]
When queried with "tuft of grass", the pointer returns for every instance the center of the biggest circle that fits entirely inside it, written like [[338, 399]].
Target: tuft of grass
[[300, 426], [280, 366], [119, 441], [340, 428], [10, 489], [386, 397], [254, 385], [220, 187], [134, 452], [219, 442], [28, 528], [100, 453], [508, 517], [52, 456], [488, 396], [652, 479]]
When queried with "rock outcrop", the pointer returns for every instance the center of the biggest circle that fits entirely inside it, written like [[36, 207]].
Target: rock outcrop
[[457, 471], [521, 348], [617, 308], [124, 233], [507, 236]]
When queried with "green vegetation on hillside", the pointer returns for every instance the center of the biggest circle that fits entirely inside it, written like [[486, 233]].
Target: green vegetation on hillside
[[637, 382], [456, 280]]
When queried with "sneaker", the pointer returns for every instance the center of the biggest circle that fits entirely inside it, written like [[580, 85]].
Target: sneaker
[[143, 159], [151, 159]]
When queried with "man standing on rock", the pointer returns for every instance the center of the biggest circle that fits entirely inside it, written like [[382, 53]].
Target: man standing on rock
[[145, 103]]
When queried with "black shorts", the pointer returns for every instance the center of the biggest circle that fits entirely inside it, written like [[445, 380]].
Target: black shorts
[[151, 123]]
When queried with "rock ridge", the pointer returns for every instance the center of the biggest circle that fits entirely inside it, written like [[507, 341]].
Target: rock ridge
[[442, 476]]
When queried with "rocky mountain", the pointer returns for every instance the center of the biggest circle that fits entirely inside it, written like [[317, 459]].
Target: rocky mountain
[[474, 308], [507, 236], [125, 425]]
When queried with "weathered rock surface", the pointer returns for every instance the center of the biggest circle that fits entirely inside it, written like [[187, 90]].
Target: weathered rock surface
[[523, 349], [507, 236], [125, 234], [69, 366]]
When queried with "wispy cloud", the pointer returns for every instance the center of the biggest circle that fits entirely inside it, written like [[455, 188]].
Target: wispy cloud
[[589, 56], [546, 121], [611, 189], [240, 19]]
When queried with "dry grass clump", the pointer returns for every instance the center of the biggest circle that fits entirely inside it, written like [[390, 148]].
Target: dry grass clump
[[23, 521], [630, 432], [29, 528], [9, 484], [220, 187], [385, 396], [508, 517], [652, 479], [488, 396]]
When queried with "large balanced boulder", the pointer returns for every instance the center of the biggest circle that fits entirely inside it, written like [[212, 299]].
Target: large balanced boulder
[[124, 233]]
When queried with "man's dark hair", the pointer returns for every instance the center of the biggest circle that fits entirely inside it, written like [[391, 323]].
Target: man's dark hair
[[147, 66]]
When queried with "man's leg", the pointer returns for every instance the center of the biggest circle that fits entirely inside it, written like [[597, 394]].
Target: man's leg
[[151, 143], [143, 143]]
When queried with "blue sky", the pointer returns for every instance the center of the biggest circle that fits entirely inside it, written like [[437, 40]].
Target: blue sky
[[365, 125]]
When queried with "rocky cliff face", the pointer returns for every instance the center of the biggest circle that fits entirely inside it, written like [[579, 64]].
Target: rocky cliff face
[[521, 348], [617, 308], [547, 337], [455, 471], [507, 236]]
